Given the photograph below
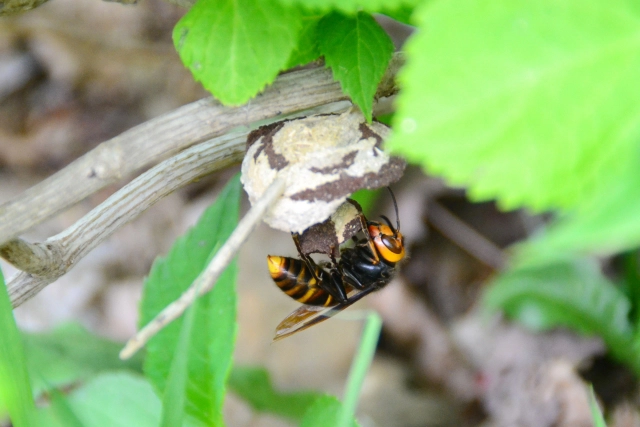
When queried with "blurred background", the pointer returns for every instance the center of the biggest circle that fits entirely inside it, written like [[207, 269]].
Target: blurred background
[[76, 73]]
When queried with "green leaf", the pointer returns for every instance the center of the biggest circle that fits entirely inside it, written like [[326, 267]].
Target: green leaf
[[353, 6], [605, 223], [236, 48], [571, 293], [175, 396], [109, 400], [307, 48], [324, 412], [70, 354], [358, 51], [255, 387], [211, 344], [16, 397], [532, 103]]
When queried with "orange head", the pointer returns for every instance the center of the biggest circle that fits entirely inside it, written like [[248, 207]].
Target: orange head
[[388, 242]]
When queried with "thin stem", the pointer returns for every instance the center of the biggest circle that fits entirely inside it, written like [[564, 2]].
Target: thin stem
[[207, 279], [359, 368]]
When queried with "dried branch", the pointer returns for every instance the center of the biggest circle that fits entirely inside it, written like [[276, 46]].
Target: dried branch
[[165, 136]]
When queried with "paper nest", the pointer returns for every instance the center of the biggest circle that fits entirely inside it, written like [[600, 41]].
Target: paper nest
[[323, 159]]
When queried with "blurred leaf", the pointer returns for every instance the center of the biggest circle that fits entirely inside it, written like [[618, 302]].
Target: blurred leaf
[[604, 223], [358, 51], [324, 412], [211, 344], [16, 397], [69, 354], [366, 199], [59, 413], [108, 400], [255, 387], [532, 103], [307, 48], [571, 293], [236, 48]]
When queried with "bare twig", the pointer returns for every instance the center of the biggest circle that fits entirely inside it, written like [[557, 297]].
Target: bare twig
[[466, 237], [207, 279], [165, 136]]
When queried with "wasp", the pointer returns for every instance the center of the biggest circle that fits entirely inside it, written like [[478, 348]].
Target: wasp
[[326, 289]]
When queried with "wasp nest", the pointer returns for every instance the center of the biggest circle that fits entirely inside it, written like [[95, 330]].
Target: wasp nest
[[323, 159]]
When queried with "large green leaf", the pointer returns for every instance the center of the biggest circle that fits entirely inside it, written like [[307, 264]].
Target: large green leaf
[[254, 385], [211, 343], [16, 397], [109, 400], [571, 293], [358, 51], [533, 103], [69, 354], [237, 47], [605, 223]]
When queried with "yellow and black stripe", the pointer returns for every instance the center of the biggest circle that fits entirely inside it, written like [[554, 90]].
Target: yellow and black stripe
[[294, 278]]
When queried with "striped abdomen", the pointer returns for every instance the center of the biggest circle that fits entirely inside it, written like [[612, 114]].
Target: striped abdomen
[[294, 278]]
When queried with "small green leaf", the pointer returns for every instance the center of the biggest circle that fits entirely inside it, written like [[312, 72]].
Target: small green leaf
[[324, 412], [236, 48], [571, 293], [533, 103], [358, 51], [307, 49], [211, 344], [113, 400], [70, 354], [16, 397], [255, 387], [353, 6]]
